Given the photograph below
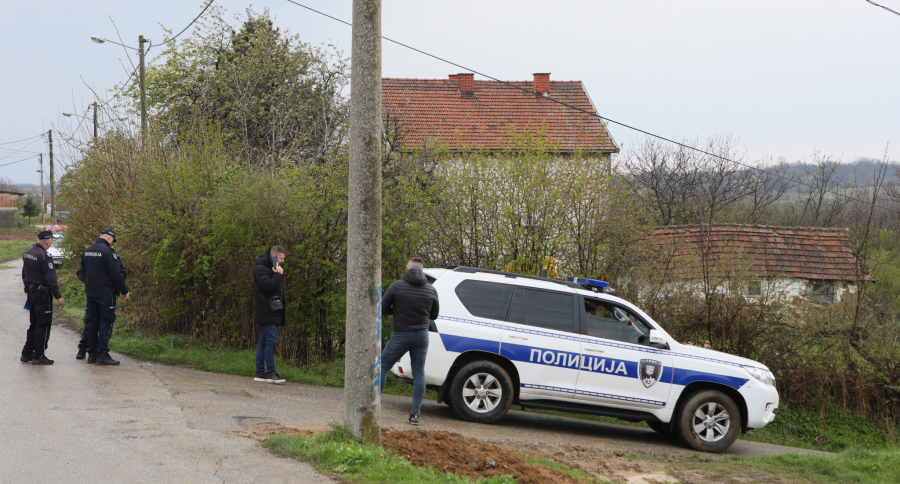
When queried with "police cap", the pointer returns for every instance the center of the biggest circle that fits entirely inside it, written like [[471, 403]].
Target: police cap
[[109, 232], [45, 234]]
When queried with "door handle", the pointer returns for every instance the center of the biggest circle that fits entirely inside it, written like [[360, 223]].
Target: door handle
[[594, 350], [518, 337]]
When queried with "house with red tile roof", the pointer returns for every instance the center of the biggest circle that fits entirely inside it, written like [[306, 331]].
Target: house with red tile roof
[[461, 113], [776, 263]]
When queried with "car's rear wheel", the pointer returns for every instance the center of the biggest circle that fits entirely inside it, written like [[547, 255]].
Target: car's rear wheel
[[481, 392], [709, 421]]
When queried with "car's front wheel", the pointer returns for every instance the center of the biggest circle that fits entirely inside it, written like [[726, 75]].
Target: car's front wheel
[[481, 392], [709, 421]]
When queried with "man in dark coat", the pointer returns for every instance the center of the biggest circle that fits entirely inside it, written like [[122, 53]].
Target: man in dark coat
[[39, 277], [103, 276], [268, 297], [414, 303]]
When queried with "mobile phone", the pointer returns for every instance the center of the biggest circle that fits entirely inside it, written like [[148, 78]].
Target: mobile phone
[[275, 262]]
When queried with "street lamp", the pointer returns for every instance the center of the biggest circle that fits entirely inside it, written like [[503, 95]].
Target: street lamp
[[95, 116], [143, 83]]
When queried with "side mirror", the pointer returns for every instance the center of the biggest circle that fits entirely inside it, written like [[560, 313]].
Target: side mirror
[[657, 340]]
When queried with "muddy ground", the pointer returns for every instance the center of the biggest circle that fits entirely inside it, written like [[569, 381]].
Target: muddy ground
[[478, 459], [22, 236]]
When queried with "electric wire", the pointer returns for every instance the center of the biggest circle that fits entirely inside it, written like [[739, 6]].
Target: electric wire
[[21, 140], [882, 6], [192, 22], [18, 161], [602, 118], [18, 150]]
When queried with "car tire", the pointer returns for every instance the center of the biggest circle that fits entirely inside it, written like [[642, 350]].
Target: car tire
[[709, 421], [481, 392], [659, 427]]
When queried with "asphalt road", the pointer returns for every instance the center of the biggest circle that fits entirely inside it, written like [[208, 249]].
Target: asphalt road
[[145, 422]]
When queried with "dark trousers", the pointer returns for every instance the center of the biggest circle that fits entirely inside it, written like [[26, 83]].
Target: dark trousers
[[265, 350], [41, 316], [416, 343], [99, 316]]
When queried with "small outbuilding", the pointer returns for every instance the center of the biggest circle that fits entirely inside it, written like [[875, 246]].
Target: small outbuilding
[[775, 263], [9, 208]]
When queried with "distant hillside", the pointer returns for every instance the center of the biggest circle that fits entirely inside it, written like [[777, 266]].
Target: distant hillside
[[860, 172]]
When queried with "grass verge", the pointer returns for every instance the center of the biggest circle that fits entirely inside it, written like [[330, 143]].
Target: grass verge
[[13, 249], [856, 466], [337, 453]]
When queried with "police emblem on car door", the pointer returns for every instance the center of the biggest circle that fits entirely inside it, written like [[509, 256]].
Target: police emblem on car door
[[650, 371]]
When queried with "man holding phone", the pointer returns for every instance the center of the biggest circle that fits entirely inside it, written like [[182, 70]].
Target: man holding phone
[[268, 297]]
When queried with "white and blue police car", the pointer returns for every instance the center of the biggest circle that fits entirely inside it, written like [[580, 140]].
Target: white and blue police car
[[573, 346]]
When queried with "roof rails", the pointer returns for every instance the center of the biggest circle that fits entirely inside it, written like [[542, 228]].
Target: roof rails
[[473, 270]]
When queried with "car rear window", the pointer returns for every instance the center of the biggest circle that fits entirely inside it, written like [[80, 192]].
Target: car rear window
[[485, 299], [544, 309]]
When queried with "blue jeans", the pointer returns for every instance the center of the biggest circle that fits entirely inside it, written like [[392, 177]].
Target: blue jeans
[[265, 350], [416, 343]]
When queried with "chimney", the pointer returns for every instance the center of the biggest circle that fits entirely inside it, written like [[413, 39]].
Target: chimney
[[454, 77], [542, 84], [466, 84]]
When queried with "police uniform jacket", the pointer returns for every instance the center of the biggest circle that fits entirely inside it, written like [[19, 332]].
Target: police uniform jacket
[[38, 269], [266, 285], [101, 271]]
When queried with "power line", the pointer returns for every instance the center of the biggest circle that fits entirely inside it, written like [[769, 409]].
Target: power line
[[23, 151], [19, 161], [18, 150], [192, 22], [576, 108], [21, 140], [882, 6]]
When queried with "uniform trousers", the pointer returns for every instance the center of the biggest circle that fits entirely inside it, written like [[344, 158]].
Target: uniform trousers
[[99, 316], [41, 317]]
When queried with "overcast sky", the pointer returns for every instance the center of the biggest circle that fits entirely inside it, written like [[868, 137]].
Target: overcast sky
[[785, 77]]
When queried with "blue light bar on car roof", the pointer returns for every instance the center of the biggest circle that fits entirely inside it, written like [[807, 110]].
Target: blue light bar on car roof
[[589, 282]]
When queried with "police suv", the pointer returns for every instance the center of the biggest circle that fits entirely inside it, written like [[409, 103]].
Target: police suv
[[574, 346]]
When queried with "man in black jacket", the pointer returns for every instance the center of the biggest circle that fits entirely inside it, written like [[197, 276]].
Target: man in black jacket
[[268, 297], [414, 303], [39, 277], [103, 276]]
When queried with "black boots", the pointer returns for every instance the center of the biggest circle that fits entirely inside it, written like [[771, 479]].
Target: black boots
[[92, 357], [25, 359], [105, 359], [43, 360], [80, 355]]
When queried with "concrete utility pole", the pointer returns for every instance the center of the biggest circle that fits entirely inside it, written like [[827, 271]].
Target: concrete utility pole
[[41, 171], [95, 119], [52, 185], [362, 369], [143, 86]]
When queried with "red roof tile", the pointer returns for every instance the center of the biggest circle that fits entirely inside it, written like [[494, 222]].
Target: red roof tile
[[433, 109], [801, 252]]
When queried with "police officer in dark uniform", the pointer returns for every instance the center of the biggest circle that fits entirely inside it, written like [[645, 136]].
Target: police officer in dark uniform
[[39, 277], [103, 276]]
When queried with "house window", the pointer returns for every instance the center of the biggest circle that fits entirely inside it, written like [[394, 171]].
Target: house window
[[754, 288], [822, 292]]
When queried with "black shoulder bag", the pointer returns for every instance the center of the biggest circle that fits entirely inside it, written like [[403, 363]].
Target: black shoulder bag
[[275, 302]]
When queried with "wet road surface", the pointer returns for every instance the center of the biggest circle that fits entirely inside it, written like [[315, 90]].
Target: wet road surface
[[145, 422]]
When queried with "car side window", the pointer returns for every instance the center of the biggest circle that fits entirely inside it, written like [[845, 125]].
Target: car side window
[[544, 309], [610, 321], [485, 299]]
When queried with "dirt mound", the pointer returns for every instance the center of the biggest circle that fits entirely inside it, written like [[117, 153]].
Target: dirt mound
[[22, 236], [476, 459]]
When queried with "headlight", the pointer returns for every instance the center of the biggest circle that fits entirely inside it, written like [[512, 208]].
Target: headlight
[[764, 376]]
